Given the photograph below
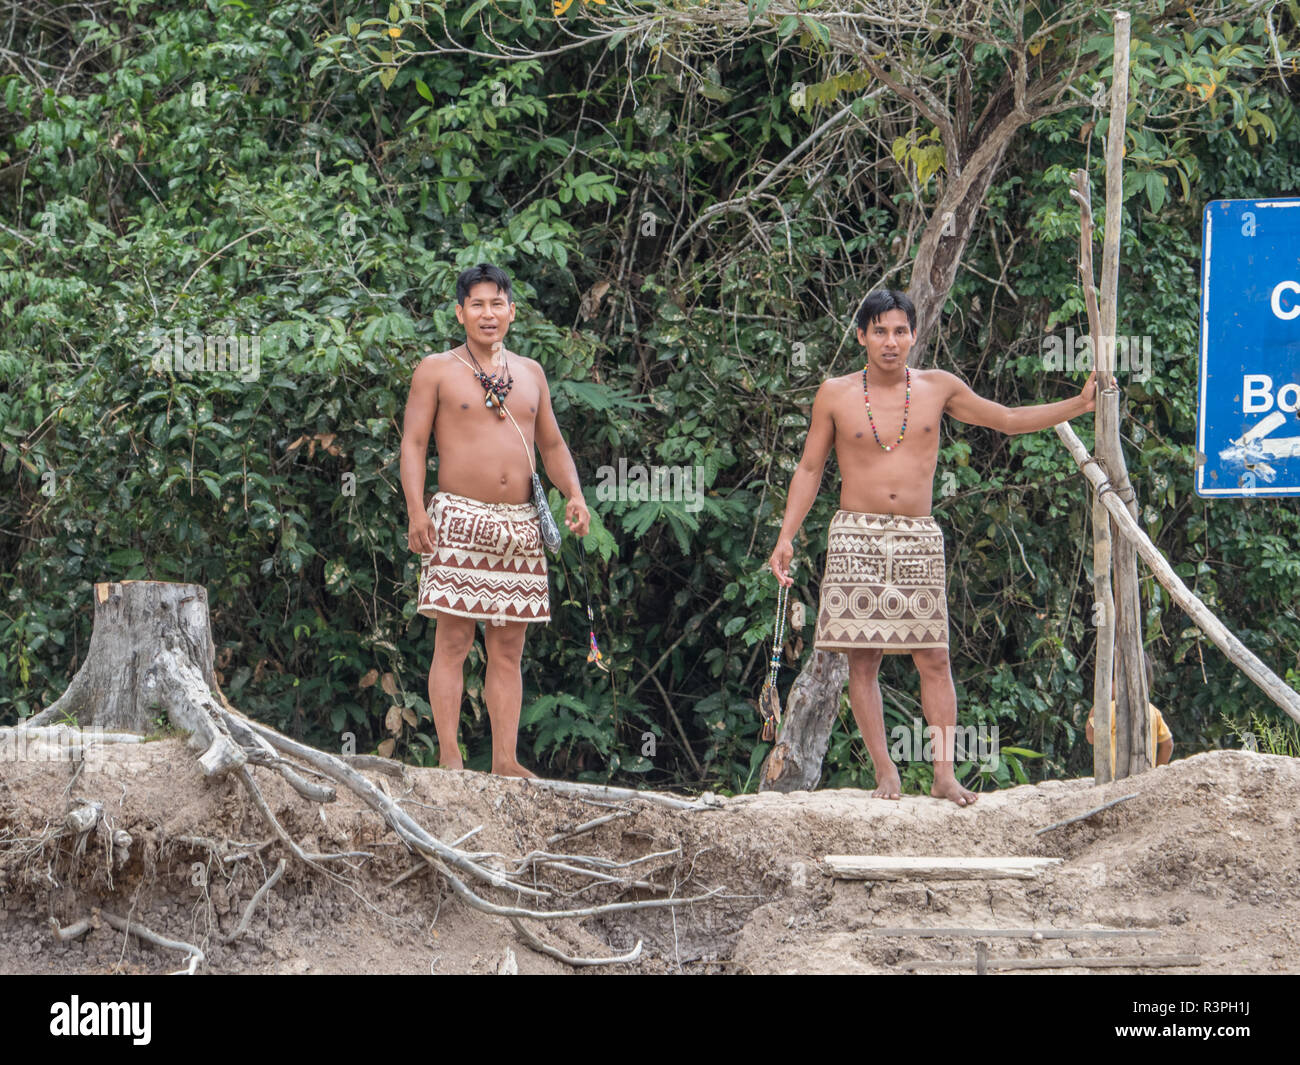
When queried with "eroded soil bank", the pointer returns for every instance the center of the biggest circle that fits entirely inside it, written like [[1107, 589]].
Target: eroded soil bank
[[1204, 861]]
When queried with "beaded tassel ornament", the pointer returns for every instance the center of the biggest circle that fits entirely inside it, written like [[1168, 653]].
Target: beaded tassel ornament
[[769, 704], [594, 654], [907, 402]]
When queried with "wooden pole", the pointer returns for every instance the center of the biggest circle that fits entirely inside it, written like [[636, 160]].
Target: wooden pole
[[1238, 653], [1103, 609], [1132, 746]]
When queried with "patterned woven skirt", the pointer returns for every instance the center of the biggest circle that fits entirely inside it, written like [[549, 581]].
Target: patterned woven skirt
[[489, 562], [884, 584]]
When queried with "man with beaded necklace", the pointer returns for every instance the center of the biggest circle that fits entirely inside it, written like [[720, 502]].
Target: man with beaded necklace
[[883, 590], [478, 537]]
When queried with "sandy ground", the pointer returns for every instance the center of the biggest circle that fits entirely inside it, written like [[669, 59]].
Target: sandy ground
[[1204, 861]]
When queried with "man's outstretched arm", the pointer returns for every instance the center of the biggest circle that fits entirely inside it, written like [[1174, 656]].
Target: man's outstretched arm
[[966, 406], [804, 484]]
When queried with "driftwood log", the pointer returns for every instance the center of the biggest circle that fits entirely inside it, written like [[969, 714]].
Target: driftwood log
[[795, 761]]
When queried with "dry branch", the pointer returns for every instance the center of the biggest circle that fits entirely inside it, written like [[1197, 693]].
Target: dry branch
[[707, 801], [1102, 542], [880, 867], [1014, 933]]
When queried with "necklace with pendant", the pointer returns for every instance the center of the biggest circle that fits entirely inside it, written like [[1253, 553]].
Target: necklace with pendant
[[907, 402], [496, 385]]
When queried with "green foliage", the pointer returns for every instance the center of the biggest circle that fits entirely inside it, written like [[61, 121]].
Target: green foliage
[[303, 177], [1258, 733]]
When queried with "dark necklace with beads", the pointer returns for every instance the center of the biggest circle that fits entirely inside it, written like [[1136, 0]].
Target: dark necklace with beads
[[907, 402], [496, 385]]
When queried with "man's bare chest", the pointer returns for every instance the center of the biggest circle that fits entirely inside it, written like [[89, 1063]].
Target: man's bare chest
[[464, 397], [864, 430]]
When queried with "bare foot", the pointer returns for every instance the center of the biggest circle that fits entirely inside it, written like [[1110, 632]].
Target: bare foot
[[948, 788], [451, 763], [888, 784], [513, 769]]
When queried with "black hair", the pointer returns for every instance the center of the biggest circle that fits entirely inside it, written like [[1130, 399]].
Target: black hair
[[882, 301], [477, 274]]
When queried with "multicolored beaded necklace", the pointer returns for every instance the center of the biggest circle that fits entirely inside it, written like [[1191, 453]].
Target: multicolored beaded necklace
[[907, 402], [496, 385]]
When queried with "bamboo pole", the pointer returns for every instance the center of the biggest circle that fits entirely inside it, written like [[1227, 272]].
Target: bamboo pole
[[1238, 653]]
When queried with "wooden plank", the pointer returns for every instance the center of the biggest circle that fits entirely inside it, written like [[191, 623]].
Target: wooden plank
[[878, 867], [1017, 933], [1135, 961]]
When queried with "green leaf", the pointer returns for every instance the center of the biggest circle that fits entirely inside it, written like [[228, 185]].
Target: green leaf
[[1155, 186]]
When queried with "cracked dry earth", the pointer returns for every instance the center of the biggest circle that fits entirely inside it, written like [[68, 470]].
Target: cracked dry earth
[[1204, 861]]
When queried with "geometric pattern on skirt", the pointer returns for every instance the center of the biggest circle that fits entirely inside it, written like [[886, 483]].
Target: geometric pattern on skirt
[[884, 584], [489, 562]]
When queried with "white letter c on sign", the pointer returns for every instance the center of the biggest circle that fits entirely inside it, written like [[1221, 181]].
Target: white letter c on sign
[[1276, 301]]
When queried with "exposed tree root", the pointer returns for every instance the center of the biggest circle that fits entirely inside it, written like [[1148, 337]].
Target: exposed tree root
[[81, 927], [252, 905], [152, 653], [232, 744], [545, 948]]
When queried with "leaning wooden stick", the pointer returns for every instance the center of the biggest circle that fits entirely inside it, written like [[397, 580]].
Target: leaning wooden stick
[[1088, 814], [1240, 655]]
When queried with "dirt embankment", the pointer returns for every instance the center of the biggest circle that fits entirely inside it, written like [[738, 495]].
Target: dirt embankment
[[1204, 861]]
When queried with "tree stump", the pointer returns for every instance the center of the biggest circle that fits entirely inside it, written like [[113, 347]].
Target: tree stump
[[795, 762], [151, 654]]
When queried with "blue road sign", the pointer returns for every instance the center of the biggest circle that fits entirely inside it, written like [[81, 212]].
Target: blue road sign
[[1248, 414]]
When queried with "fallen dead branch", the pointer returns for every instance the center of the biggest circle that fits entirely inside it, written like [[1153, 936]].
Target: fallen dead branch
[[1134, 961], [707, 801]]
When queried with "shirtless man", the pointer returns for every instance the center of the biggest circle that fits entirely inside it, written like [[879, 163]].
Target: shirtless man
[[481, 552], [883, 588]]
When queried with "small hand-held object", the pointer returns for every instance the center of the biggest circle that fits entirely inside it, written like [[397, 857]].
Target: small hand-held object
[[769, 703], [594, 654]]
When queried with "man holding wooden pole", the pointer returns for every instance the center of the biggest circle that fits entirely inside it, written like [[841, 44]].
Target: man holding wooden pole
[[883, 591]]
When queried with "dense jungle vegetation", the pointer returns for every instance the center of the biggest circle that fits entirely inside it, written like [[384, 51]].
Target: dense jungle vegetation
[[691, 212]]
